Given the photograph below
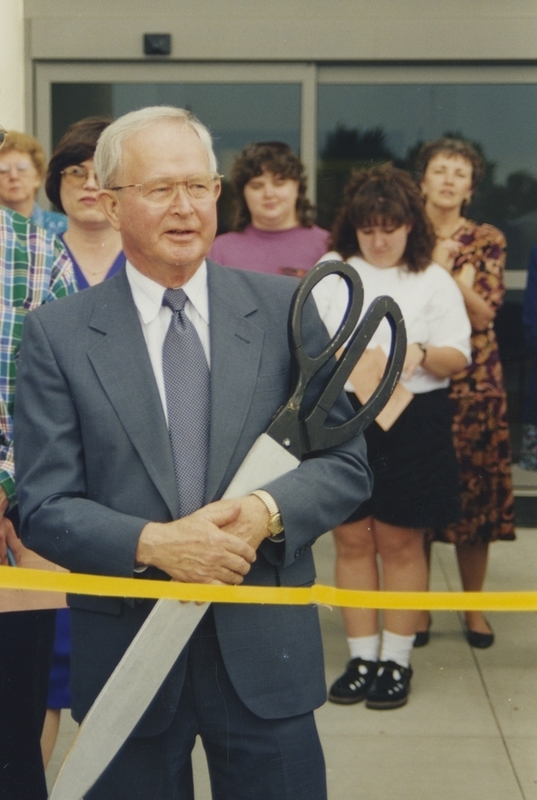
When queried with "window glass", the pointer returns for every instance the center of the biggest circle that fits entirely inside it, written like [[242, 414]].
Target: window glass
[[235, 113], [361, 124]]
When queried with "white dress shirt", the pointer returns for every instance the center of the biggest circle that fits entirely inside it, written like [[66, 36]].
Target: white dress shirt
[[155, 318]]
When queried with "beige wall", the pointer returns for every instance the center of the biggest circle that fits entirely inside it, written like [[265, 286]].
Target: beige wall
[[305, 30], [12, 64]]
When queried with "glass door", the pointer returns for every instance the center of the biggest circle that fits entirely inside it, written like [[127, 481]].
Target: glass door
[[239, 104], [368, 115]]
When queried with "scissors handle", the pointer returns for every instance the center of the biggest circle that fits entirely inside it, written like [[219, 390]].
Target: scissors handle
[[287, 427], [307, 365], [321, 437], [302, 431]]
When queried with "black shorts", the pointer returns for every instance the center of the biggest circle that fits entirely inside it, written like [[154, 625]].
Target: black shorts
[[415, 471]]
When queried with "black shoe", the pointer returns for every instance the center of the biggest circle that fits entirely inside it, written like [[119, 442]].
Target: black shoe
[[353, 685], [479, 640], [422, 637], [391, 686]]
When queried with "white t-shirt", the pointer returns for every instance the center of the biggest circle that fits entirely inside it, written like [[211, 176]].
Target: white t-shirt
[[430, 301]]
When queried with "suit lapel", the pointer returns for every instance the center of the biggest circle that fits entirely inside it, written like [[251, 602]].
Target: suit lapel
[[122, 364], [236, 345]]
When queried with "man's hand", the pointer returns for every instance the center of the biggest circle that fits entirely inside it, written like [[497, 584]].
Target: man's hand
[[8, 538], [196, 549], [251, 524]]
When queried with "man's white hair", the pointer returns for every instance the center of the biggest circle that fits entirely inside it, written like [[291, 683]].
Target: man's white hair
[[109, 151]]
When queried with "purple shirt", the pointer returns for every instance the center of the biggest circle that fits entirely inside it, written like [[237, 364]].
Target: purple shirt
[[292, 251]]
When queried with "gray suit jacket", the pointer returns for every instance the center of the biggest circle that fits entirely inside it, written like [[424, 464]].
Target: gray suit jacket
[[94, 464]]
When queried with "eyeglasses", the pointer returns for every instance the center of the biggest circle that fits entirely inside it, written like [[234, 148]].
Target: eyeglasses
[[162, 191], [3, 134], [21, 166], [78, 175]]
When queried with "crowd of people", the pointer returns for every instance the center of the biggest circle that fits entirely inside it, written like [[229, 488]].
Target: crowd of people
[[135, 218]]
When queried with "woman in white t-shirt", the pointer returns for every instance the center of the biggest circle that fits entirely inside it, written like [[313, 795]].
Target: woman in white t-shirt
[[382, 231]]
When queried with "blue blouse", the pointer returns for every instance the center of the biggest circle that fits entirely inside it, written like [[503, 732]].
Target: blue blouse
[[81, 281]]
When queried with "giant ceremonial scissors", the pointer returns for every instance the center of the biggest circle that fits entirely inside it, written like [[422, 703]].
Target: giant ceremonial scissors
[[294, 432]]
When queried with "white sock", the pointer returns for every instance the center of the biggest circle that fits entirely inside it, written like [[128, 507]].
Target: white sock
[[396, 648], [366, 647]]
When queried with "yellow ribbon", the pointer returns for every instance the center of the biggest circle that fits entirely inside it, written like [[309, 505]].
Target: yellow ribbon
[[43, 580]]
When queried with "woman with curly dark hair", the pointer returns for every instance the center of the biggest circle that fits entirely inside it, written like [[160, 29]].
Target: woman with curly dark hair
[[382, 231], [473, 255], [273, 228]]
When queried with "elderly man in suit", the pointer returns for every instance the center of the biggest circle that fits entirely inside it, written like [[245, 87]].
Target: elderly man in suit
[[138, 400]]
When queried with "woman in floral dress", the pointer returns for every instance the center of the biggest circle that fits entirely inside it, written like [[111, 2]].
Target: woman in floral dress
[[474, 254]]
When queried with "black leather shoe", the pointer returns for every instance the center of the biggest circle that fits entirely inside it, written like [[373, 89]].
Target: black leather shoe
[[422, 637], [479, 640], [391, 686], [353, 685]]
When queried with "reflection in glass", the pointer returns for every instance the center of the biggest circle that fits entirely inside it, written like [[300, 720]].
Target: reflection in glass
[[235, 113], [362, 124]]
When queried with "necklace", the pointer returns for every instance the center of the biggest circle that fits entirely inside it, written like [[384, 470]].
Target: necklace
[[94, 272]]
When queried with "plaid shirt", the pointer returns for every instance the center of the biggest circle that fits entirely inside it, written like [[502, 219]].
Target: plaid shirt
[[34, 268]]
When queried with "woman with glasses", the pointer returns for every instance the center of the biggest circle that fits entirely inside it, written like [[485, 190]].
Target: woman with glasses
[[95, 250], [22, 169], [273, 228], [71, 185]]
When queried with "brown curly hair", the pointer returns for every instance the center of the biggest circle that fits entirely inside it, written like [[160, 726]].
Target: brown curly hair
[[275, 157], [384, 195], [451, 147]]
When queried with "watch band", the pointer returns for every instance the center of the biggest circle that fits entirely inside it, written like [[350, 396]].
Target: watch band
[[275, 526]]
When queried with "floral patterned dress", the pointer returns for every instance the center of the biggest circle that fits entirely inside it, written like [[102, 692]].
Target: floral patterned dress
[[480, 431]]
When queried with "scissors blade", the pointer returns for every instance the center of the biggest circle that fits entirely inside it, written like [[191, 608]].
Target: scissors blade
[[126, 695], [152, 653]]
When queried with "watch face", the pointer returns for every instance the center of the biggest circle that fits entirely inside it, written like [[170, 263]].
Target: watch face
[[275, 524]]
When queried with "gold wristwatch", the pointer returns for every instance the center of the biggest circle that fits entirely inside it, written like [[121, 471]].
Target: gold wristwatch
[[275, 525]]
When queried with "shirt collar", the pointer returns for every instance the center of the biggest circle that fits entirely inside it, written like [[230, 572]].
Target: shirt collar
[[148, 294]]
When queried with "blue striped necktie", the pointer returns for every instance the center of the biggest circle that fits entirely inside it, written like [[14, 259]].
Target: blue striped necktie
[[187, 385]]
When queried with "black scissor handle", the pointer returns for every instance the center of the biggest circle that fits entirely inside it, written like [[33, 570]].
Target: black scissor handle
[[319, 437], [287, 427], [303, 432], [310, 365]]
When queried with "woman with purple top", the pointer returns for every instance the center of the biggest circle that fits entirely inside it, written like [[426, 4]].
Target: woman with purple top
[[273, 228], [95, 250]]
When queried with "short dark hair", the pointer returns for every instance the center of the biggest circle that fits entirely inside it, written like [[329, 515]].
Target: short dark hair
[[451, 147], [384, 195], [275, 157], [76, 145]]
